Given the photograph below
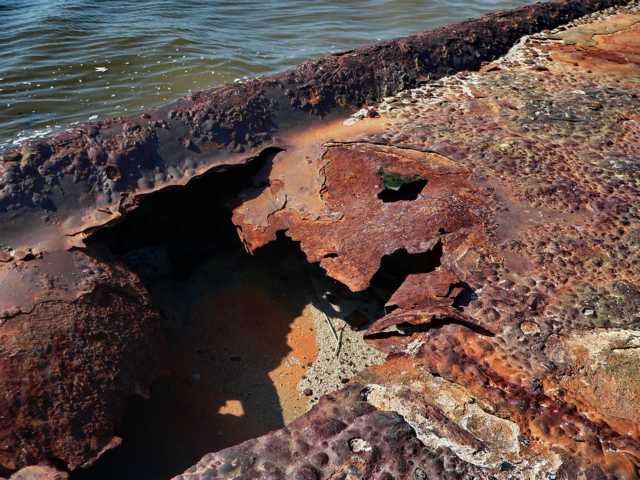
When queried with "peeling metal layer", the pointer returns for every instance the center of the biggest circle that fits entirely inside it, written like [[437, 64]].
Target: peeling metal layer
[[531, 192], [335, 209]]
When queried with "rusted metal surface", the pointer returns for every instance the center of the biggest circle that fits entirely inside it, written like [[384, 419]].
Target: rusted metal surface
[[520, 352], [343, 434], [90, 172], [531, 193], [70, 362], [333, 227]]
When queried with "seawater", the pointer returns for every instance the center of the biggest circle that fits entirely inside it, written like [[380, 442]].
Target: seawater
[[69, 61]]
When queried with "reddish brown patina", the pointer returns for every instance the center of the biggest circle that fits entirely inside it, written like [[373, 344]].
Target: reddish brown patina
[[337, 215], [514, 355]]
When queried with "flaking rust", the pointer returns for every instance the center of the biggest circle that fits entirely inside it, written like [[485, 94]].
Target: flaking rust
[[516, 356], [352, 229]]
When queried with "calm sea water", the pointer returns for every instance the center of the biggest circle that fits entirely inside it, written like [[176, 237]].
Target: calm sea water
[[66, 61]]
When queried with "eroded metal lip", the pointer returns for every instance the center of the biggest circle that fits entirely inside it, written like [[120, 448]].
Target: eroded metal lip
[[86, 171]]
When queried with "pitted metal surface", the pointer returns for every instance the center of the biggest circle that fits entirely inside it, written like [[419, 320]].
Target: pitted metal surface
[[514, 356], [532, 313]]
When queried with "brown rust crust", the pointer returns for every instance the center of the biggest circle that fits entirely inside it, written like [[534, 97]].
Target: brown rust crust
[[77, 333], [68, 366]]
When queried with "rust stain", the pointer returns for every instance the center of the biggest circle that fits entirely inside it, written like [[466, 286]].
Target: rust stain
[[286, 376], [520, 180]]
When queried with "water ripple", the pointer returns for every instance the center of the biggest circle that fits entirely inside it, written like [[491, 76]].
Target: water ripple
[[65, 61]]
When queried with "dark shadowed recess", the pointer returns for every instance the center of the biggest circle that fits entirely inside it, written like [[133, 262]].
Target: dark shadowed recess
[[406, 329], [226, 315], [408, 191]]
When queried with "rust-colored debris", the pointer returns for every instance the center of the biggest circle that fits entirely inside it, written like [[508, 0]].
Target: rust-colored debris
[[516, 354]]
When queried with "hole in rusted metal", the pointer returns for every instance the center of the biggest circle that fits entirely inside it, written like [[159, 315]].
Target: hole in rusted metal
[[396, 267], [229, 319], [399, 187], [390, 308], [465, 297], [407, 192], [167, 215]]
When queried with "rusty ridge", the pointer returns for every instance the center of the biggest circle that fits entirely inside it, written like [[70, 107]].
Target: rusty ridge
[[165, 145], [505, 200]]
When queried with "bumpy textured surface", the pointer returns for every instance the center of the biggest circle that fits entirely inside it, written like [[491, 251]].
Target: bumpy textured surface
[[70, 362], [345, 435], [39, 472], [519, 355]]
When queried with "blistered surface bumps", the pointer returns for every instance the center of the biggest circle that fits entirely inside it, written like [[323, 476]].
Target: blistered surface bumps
[[515, 354], [519, 355]]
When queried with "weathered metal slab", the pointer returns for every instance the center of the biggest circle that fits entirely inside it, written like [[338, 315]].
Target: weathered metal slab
[[531, 190]]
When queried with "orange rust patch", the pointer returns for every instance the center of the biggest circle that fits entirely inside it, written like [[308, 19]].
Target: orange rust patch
[[353, 229], [609, 48], [286, 376]]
